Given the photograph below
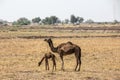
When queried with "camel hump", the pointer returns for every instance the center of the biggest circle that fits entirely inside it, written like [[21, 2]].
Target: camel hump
[[70, 42], [67, 47]]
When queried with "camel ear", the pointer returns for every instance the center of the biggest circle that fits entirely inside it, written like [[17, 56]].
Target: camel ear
[[45, 39]]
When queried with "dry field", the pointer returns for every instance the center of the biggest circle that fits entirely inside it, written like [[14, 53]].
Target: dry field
[[19, 57]]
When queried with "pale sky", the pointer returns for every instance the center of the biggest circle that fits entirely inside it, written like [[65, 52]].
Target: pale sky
[[97, 10]]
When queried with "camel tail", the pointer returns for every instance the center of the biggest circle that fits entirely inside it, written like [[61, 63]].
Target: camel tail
[[80, 53], [41, 61]]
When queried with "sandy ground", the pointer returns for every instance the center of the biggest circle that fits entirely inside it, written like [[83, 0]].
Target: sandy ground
[[100, 60]]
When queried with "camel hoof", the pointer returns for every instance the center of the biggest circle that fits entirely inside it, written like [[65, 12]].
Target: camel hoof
[[77, 70]]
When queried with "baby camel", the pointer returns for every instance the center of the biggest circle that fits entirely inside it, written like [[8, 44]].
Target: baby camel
[[46, 57]]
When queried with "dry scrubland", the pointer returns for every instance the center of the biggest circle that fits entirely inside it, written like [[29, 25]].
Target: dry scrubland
[[19, 57]]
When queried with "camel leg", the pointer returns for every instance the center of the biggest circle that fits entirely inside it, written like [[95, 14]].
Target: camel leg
[[62, 68], [54, 63], [55, 66], [76, 65], [46, 64], [79, 64], [79, 60], [76, 62]]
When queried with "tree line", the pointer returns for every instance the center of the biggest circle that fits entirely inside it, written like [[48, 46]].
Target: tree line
[[49, 20], [52, 20]]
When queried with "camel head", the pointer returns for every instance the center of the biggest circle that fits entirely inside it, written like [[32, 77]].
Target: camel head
[[48, 40]]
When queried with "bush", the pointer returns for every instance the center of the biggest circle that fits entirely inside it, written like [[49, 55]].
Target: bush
[[36, 20], [50, 20], [22, 21]]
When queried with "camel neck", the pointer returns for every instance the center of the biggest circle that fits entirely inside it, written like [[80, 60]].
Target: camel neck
[[53, 49]]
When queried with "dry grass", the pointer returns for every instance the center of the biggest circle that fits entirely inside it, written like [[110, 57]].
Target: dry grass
[[56, 32], [19, 57], [100, 59]]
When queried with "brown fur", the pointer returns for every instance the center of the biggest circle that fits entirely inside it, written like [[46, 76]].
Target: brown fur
[[46, 57], [66, 49]]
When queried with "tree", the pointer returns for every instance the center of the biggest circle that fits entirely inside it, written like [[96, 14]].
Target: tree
[[36, 20], [53, 19], [22, 21], [79, 20], [115, 22], [73, 19], [50, 20], [43, 21], [46, 21], [76, 20]]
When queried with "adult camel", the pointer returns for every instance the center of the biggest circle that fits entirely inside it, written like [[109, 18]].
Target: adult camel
[[66, 49]]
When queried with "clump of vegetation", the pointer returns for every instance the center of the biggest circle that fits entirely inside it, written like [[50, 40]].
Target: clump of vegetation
[[115, 22], [76, 20], [50, 20], [36, 20], [54, 20], [22, 21]]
